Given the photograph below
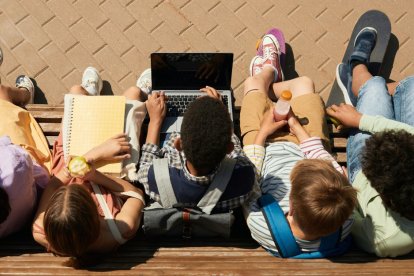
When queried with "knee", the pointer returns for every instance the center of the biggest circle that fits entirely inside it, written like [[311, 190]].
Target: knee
[[307, 82], [134, 93], [78, 90]]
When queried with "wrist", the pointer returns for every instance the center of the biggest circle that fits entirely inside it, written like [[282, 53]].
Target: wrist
[[260, 138]]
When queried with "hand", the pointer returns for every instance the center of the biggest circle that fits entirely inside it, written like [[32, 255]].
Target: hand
[[268, 126], [114, 149], [297, 129], [211, 92], [157, 108], [346, 114]]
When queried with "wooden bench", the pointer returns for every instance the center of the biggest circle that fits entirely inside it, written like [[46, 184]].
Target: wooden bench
[[19, 254]]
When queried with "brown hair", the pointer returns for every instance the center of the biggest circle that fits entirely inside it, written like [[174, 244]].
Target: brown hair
[[321, 197], [71, 221]]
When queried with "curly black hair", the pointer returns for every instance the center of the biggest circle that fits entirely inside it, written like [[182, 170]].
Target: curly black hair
[[206, 132], [4, 205], [388, 162]]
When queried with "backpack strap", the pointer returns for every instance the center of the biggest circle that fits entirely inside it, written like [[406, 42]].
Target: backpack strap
[[279, 228], [284, 240], [162, 177], [218, 186]]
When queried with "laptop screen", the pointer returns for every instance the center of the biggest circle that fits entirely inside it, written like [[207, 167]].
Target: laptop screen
[[191, 71]]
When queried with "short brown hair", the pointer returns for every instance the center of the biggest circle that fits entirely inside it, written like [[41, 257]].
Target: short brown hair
[[321, 197], [71, 221]]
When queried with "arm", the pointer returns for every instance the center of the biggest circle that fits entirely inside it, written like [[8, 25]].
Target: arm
[[256, 152], [350, 117], [375, 124], [312, 147], [157, 109]]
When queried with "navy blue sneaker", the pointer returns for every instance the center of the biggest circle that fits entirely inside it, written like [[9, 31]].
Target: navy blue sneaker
[[344, 80], [363, 45]]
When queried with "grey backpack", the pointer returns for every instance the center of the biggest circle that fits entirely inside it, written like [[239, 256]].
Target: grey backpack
[[174, 219]]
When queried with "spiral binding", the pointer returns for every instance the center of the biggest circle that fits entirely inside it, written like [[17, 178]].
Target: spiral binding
[[67, 123]]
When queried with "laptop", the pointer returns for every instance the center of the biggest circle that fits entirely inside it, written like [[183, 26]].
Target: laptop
[[181, 75]]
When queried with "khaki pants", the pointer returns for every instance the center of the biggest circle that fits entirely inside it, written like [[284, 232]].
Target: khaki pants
[[309, 106]]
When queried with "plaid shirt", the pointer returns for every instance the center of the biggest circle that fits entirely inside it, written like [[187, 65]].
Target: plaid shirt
[[177, 160]]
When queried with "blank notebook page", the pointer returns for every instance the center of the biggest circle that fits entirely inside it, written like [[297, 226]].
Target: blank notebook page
[[90, 121]]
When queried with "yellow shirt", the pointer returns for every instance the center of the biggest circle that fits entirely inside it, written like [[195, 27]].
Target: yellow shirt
[[24, 131]]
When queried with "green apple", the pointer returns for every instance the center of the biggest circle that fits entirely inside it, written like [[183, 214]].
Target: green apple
[[78, 167]]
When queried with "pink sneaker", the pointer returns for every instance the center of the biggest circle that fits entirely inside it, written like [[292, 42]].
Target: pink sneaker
[[256, 65], [271, 55]]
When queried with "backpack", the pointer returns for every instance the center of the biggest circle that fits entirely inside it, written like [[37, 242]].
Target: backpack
[[331, 245], [174, 219]]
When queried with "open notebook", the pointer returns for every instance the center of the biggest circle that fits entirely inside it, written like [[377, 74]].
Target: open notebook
[[89, 121]]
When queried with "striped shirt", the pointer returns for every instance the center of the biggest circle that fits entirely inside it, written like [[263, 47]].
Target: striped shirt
[[189, 188], [274, 164]]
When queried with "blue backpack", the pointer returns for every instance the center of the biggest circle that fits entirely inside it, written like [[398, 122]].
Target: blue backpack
[[285, 242]]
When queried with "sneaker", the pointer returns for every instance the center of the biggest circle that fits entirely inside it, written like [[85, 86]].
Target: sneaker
[[256, 65], [363, 45], [344, 80], [25, 82], [91, 81], [144, 81], [271, 55]]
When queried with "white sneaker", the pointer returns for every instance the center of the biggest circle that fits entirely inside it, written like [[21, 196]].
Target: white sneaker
[[91, 81], [144, 81], [25, 82]]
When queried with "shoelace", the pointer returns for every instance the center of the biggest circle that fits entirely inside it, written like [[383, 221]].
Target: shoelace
[[145, 84], [90, 83], [268, 53]]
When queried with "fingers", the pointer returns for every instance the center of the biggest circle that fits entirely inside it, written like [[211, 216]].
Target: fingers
[[211, 92], [122, 157]]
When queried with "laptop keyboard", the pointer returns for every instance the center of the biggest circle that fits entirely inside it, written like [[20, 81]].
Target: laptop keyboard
[[177, 104]]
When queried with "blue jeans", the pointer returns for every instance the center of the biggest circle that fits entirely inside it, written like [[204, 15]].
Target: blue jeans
[[374, 99]]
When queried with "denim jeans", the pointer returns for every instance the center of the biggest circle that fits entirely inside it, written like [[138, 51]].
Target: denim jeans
[[374, 99]]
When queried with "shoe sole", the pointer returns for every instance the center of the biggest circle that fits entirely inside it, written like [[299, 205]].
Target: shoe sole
[[251, 65], [342, 87]]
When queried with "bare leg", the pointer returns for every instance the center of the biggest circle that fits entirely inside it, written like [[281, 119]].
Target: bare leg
[[78, 90], [298, 86], [260, 82], [17, 96], [134, 93], [360, 75], [391, 87]]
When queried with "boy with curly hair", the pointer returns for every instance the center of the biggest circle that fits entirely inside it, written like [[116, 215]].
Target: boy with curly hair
[[195, 155], [380, 152]]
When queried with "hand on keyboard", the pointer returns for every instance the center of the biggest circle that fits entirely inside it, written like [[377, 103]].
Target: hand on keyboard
[[156, 106], [211, 92]]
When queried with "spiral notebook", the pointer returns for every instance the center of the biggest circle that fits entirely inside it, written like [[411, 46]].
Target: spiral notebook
[[88, 122]]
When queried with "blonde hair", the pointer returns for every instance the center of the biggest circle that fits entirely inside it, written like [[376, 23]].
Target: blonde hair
[[321, 197]]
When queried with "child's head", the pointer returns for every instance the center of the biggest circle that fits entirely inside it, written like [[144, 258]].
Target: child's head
[[71, 221], [4, 205], [206, 133], [321, 198], [388, 162]]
